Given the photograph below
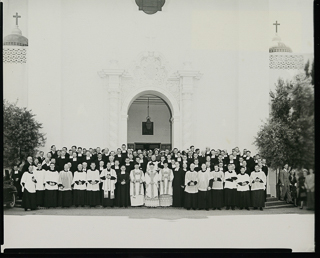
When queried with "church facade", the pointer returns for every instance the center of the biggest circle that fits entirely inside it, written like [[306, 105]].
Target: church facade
[[85, 65]]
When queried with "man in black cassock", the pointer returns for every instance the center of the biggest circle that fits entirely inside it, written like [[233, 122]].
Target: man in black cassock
[[265, 169]]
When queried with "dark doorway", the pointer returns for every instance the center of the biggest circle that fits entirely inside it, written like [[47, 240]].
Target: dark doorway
[[146, 146]]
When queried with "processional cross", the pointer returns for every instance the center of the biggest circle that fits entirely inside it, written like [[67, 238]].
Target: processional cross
[[276, 25], [17, 17]]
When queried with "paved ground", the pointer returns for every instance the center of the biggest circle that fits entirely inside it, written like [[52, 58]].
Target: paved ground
[[144, 212], [142, 227]]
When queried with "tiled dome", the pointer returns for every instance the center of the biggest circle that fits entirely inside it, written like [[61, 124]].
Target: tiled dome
[[15, 38]]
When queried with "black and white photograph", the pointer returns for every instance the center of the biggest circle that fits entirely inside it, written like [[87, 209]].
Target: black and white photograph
[[159, 124]]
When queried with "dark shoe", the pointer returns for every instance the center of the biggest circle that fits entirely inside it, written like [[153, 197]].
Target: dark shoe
[[188, 209], [219, 209], [261, 208], [213, 208], [241, 208], [207, 209], [255, 208], [233, 208], [301, 208], [194, 209], [247, 209], [227, 208]]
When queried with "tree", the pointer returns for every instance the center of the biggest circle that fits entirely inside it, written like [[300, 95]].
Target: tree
[[308, 71], [288, 135], [21, 134]]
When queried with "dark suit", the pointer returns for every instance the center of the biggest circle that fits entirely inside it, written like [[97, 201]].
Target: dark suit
[[250, 163], [285, 185]]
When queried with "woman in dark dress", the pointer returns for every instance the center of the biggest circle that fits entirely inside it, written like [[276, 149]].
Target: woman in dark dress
[[302, 190], [177, 184], [293, 186]]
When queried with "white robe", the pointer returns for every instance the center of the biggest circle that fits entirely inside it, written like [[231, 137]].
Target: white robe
[[152, 181], [217, 185], [241, 179], [166, 177], [27, 178], [108, 184], [79, 176], [257, 185], [93, 175], [39, 176], [136, 187], [51, 176], [228, 184]]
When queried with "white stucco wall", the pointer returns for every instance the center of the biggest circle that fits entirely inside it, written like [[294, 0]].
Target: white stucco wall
[[227, 41]]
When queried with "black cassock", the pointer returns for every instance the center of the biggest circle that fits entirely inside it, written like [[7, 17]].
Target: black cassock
[[122, 193], [178, 181]]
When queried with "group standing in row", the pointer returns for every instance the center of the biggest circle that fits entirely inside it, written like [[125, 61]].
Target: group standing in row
[[192, 179]]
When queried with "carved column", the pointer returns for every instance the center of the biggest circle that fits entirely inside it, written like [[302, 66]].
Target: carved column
[[187, 80], [112, 101]]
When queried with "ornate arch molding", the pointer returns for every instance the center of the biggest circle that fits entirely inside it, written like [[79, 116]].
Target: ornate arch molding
[[150, 73], [150, 70]]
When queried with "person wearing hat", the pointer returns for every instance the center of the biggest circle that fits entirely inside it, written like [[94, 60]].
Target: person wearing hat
[[152, 181], [166, 177], [136, 186]]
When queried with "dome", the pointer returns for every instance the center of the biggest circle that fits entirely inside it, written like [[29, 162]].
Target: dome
[[279, 46], [15, 38]]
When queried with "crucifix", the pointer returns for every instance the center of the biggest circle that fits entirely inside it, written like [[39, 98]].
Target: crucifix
[[17, 17], [276, 25]]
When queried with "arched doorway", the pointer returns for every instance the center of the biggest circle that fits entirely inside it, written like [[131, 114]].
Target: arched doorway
[[157, 133], [172, 106]]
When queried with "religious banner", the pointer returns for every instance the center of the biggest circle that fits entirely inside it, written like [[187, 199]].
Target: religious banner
[[147, 129]]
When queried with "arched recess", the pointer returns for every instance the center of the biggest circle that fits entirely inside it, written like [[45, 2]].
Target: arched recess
[[162, 93]]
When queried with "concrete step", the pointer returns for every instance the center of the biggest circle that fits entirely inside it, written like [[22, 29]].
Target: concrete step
[[272, 199], [276, 203], [280, 206]]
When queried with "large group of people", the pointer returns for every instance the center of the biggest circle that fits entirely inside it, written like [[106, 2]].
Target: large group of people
[[95, 177]]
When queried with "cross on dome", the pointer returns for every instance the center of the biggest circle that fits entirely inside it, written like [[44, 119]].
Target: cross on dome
[[17, 17], [276, 24]]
